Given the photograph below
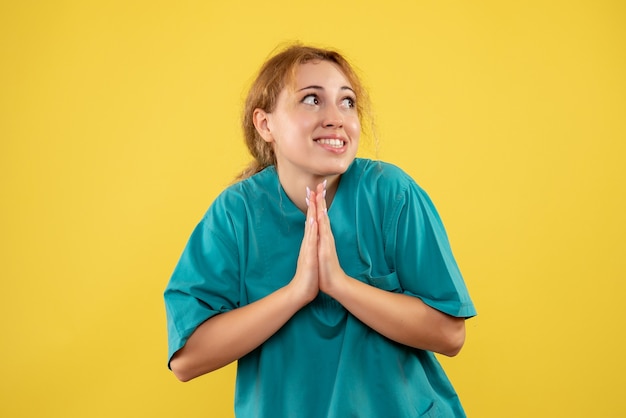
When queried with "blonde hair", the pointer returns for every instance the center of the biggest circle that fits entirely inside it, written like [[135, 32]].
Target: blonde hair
[[276, 73]]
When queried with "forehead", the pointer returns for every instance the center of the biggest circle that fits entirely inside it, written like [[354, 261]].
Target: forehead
[[318, 73]]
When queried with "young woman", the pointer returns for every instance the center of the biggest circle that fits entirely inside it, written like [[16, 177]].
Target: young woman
[[328, 277]]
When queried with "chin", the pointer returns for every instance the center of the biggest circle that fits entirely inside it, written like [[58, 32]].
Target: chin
[[338, 168]]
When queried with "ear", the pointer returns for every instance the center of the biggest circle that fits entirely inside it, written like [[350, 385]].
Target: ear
[[261, 120]]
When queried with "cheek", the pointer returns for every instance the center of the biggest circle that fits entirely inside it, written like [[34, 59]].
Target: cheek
[[296, 122], [354, 128], [307, 121]]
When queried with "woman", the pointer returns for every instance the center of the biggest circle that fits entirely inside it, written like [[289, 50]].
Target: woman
[[328, 277]]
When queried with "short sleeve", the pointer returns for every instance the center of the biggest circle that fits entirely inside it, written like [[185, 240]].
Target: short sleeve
[[419, 251], [205, 281]]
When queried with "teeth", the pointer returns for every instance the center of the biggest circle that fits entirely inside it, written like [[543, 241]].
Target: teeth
[[336, 143]]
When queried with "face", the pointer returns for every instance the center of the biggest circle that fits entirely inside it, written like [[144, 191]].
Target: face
[[314, 128]]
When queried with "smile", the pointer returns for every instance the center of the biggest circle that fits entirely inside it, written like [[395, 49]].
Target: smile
[[331, 142]]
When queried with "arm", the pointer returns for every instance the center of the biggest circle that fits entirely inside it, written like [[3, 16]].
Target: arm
[[402, 318], [229, 336]]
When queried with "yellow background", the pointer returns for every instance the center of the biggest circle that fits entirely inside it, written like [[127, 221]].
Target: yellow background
[[119, 125]]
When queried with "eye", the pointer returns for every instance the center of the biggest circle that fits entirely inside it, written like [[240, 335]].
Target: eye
[[348, 102], [311, 99]]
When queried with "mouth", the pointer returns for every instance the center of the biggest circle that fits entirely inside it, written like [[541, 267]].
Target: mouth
[[331, 142]]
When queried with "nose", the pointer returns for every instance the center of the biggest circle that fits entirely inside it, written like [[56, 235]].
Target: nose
[[333, 118]]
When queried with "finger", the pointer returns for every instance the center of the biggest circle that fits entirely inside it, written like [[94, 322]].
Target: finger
[[308, 249], [321, 198], [321, 210], [326, 240], [326, 250], [311, 215], [321, 189]]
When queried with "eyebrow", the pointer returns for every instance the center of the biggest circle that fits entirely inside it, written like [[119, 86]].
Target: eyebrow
[[314, 87]]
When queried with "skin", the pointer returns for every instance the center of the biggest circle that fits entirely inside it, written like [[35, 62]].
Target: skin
[[303, 115], [321, 105]]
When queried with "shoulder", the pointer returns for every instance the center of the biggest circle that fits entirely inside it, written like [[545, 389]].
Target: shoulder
[[234, 208], [382, 177], [379, 171], [237, 196]]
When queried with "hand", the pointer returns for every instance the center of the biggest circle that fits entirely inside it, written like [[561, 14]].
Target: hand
[[330, 272], [305, 281]]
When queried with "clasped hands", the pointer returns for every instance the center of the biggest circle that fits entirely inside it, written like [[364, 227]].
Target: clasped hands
[[318, 266]]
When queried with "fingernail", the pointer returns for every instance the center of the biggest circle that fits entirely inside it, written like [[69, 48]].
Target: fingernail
[[325, 181], [324, 193], [307, 201], [311, 220], [308, 192]]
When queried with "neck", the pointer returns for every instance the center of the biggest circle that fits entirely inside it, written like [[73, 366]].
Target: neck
[[295, 188]]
